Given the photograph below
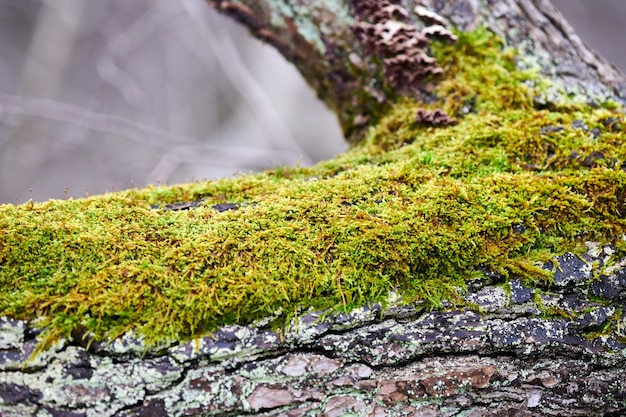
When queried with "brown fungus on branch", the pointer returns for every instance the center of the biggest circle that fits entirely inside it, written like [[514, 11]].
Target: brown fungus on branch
[[396, 73], [428, 17], [440, 33], [394, 11], [372, 9], [435, 117]]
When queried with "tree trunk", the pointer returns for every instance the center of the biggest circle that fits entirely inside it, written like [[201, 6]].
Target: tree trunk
[[504, 358]]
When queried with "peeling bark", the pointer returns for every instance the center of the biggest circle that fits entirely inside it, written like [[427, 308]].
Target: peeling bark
[[507, 357]]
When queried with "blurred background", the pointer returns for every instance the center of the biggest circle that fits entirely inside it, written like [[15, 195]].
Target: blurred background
[[99, 96]]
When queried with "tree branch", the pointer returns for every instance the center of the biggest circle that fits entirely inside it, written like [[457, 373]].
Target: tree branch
[[318, 37], [490, 191]]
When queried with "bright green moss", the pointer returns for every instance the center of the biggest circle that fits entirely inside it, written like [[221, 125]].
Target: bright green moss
[[413, 209]]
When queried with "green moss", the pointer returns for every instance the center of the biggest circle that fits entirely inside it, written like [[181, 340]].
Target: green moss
[[413, 209]]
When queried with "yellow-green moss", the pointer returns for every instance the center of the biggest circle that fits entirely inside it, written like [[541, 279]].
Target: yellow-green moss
[[413, 209]]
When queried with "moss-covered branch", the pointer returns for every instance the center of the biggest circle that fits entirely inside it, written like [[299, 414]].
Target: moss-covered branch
[[469, 267], [414, 210]]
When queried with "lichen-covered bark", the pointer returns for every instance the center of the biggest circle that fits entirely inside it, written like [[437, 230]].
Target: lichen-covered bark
[[511, 359], [318, 37]]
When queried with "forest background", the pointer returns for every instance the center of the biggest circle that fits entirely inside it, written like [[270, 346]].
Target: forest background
[[103, 96]]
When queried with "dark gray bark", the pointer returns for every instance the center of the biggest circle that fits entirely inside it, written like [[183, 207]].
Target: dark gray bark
[[508, 358]]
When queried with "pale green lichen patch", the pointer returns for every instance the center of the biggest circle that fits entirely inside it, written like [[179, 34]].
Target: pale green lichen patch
[[413, 210]]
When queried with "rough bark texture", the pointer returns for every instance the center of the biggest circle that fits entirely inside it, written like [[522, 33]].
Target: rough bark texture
[[506, 358], [509, 360]]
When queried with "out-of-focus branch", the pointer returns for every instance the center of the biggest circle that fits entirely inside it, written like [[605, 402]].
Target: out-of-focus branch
[[243, 81]]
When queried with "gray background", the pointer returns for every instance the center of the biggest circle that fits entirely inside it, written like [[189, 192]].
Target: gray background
[[99, 96]]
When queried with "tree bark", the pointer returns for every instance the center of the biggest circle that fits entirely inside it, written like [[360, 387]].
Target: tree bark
[[509, 359]]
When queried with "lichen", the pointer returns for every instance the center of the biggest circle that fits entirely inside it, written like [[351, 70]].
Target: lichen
[[414, 210]]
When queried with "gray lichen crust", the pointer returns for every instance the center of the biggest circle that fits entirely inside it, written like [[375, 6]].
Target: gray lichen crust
[[371, 362]]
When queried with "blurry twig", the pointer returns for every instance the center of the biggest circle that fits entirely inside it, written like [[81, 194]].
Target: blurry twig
[[241, 79], [184, 148], [122, 43]]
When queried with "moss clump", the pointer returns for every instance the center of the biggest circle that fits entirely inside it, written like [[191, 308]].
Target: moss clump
[[413, 209]]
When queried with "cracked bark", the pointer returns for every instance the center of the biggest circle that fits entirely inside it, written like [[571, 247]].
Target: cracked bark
[[510, 359]]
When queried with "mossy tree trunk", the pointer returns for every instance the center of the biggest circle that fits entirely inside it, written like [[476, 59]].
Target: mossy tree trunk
[[548, 350]]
